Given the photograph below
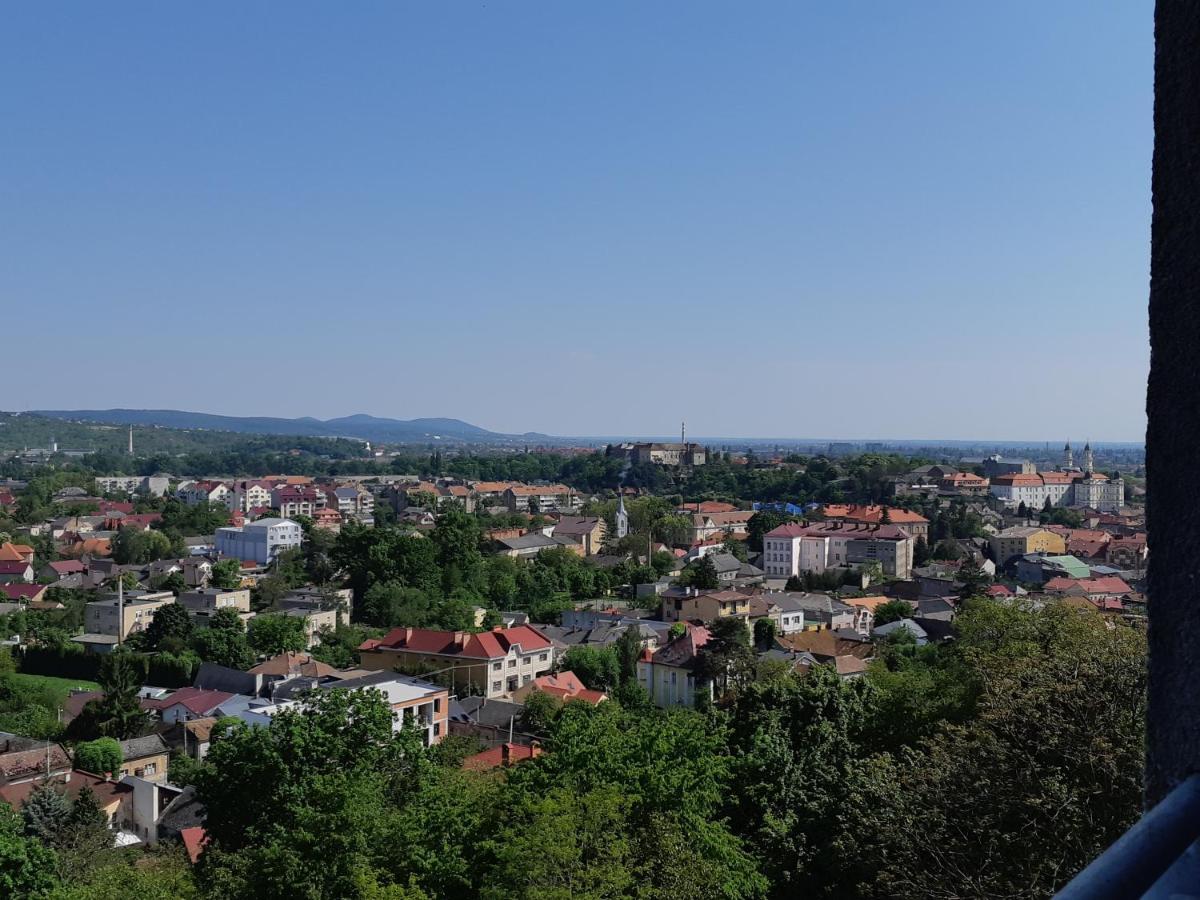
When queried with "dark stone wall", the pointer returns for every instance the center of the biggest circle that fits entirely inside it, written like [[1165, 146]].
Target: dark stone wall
[[1173, 402]]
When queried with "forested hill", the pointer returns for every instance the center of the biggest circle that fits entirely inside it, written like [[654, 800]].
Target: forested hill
[[362, 426]]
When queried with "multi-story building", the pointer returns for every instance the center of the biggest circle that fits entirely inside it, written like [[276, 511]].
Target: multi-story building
[[120, 617], [1069, 486], [1023, 539], [539, 498], [193, 493], [691, 605], [202, 604], [493, 663], [296, 500], [711, 524], [259, 541], [355, 503], [248, 494], [155, 485], [795, 548]]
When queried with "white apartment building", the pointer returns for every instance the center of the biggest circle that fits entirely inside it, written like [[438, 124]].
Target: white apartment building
[[259, 541]]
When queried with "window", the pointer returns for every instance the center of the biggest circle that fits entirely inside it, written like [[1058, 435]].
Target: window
[[495, 667], [543, 657], [512, 663], [495, 686], [437, 704], [437, 728]]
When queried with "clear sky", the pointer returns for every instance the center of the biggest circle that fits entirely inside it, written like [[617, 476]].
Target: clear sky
[[848, 219]]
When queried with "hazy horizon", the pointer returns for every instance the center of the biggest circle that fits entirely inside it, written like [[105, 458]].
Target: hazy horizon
[[586, 220]]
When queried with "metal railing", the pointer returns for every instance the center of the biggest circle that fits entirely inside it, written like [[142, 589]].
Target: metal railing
[[1159, 845]]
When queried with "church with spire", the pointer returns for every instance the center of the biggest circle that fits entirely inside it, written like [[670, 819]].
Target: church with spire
[[1069, 486]]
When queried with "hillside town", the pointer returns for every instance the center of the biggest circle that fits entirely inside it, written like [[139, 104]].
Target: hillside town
[[148, 619]]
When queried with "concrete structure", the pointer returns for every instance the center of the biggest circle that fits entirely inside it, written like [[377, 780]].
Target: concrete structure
[[692, 605], [259, 541]]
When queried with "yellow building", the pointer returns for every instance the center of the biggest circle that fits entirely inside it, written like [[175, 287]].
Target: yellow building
[[1022, 539]]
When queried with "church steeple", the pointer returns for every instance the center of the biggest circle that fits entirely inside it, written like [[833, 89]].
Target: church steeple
[[622, 517], [1088, 460], [1068, 457]]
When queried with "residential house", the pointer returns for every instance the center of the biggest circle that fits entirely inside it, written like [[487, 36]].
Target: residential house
[[672, 675], [494, 663], [191, 703], [110, 796], [587, 531], [533, 543], [684, 604], [193, 493], [562, 686], [24, 759], [713, 524], [202, 603], [782, 609], [821, 612], [15, 571], [412, 702], [145, 757], [63, 568], [1038, 568], [493, 721]]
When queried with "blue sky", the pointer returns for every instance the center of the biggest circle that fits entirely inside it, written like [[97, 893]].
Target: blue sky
[[772, 219]]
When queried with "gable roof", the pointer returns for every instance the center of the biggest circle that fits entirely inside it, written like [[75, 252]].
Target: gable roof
[[292, 663], [484, 645], [196, 700]]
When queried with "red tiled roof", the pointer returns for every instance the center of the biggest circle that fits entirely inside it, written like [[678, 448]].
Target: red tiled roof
[[67, 566], [104, 791], [13, 568], [193, 841], [1107, 584], [196, 700], [23, 591], [872, 514], [504, 754], [484, 645]]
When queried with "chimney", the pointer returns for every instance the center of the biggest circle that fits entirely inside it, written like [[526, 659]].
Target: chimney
[[460, 639], [496, 629]]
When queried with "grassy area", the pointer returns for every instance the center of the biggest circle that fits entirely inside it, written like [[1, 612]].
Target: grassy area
[[61, 687]]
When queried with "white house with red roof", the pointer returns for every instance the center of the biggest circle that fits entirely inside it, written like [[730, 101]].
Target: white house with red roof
[[493, 663]]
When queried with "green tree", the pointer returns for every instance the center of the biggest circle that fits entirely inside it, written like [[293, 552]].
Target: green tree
[[323, 777], [760, 523], [171, 628], [227, 574], [701, 574], [628, 650], [27, 865], [274, 634], [597, 668], [224, 641], [46, 812], [892, 611], [99, 757], [764, 633], [118, 713]]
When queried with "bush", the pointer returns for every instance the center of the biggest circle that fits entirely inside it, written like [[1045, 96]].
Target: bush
[[99, 756]]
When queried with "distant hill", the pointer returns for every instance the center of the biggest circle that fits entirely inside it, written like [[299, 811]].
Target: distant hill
[[360, 425]]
